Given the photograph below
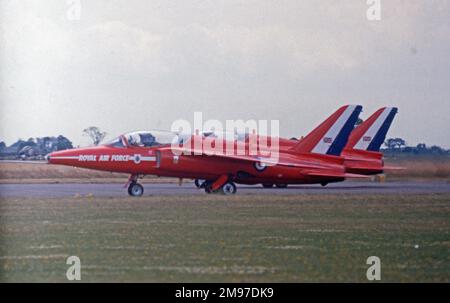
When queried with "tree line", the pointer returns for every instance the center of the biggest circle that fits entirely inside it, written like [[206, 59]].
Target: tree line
[[37, 148], [395, 146]]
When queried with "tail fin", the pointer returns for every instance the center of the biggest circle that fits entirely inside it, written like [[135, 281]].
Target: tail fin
[[330, 136], [370, 134]]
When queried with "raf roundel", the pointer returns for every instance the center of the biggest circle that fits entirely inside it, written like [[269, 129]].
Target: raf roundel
[[137, 159]]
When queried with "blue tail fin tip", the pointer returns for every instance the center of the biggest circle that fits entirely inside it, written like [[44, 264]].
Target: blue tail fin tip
[[380, 136], [342, 138]]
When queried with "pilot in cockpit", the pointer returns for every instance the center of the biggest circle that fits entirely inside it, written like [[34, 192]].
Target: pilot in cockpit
[[147, 139]]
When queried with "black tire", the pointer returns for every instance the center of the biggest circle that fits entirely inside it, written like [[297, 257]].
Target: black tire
[[228, 188], [281, 185], [267, 185], [324, 183], [135, 189], [200, 183]]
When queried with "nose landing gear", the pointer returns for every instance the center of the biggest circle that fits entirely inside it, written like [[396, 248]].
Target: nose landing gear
[[228, 188], [135, 189]]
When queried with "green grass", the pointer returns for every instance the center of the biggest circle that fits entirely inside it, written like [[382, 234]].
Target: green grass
[[246, 238]]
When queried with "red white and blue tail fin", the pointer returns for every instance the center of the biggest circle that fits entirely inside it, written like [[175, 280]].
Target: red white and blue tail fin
[[331, 136], [371, 134]]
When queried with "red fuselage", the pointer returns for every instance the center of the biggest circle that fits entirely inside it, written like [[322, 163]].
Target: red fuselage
[[161, 161]]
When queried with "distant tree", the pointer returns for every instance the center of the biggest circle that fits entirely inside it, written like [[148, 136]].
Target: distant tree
[[63, 143], [421, 146], [31, 142], [2, 145], [437, 150], [395, 143], [19, 144], [408, 149], [46, 145], [95, 134]]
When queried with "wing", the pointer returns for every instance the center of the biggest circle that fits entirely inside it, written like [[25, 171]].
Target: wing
[[308, 168], [285, 160]]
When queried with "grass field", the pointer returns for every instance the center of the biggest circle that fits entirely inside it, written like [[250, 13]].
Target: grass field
[[252, 238]]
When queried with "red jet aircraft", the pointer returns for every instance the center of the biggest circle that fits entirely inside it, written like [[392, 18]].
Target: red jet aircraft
[[314, 159]]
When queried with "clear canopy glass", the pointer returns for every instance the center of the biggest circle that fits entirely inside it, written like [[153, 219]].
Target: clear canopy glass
[[146, 139]]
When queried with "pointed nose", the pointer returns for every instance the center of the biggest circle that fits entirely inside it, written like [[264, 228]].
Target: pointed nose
[[87, 157], [63, 157]]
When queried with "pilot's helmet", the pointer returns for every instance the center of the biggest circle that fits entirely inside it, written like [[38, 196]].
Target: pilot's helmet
[[148, 139], [133, 139]]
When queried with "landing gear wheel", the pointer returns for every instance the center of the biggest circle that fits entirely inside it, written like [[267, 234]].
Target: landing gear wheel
[[267, 185], [228, 188], [324, 183], [281, 185], [200, 183], [135, 189]]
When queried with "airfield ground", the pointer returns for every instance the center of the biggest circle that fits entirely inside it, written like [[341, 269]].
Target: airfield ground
[[204, 238], [179, 234]]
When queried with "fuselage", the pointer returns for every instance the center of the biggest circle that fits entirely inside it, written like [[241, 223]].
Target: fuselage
[[160, 160]]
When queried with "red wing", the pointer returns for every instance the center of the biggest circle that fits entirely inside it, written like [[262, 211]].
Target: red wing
[[286, 161]]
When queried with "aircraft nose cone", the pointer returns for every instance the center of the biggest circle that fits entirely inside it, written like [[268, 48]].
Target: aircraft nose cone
[[60, 157]]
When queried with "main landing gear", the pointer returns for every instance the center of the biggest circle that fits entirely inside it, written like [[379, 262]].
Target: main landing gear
[[228, 188], [134, 188], [200, 183]]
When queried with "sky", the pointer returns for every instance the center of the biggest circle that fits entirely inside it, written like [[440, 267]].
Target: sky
[[132, 65]]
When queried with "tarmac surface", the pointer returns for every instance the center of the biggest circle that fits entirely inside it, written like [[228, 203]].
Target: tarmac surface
[[118, 190]]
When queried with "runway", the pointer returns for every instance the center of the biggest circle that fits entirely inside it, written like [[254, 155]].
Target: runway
[[117, 190]]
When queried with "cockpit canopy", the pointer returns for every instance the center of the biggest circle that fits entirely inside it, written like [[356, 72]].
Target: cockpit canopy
[[157, 138], [145, 139]]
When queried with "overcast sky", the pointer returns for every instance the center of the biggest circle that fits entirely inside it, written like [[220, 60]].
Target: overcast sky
[[128, 65]]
